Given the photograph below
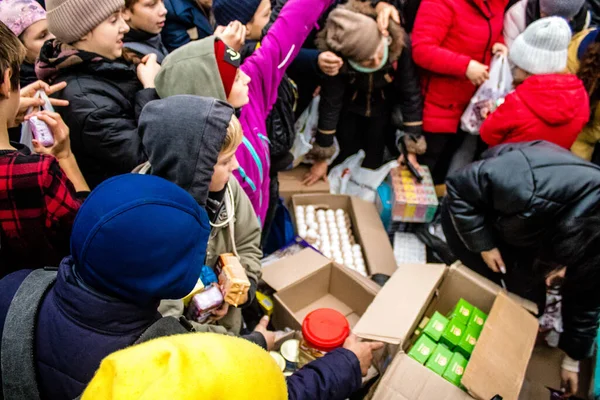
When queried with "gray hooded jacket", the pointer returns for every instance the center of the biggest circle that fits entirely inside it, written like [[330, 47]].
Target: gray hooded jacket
[[183, 136]]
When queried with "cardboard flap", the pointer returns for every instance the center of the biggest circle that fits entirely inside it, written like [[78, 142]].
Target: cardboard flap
[[286, 271], [406, 379], [500, 359], [377, 248], [494, 288], [400, 303]]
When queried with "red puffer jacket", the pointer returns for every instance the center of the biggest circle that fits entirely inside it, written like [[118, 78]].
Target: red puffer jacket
[[448, 34], [544, 107]]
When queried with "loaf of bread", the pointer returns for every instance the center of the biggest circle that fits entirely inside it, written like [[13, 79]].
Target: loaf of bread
[[233, 279]]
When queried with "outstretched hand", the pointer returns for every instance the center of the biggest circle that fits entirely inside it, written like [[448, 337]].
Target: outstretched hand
[[363, 351]]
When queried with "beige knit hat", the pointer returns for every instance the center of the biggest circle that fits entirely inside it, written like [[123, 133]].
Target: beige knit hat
[[355, 36], [70, 20]]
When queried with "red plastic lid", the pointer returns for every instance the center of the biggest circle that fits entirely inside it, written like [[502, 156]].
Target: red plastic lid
[[325, 329]]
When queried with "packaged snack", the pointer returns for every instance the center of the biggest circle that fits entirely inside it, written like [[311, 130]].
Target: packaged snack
[[421, 326], [289, 350], [453, 333], [278, 359], [462, 312], [323, 330], [436, 326], [413, 201], [456, 369], [203, 303], [439, 360], [233, 279], [422, 349], [197, 289], [477, 319], [41, 132], [206, 279], [467, 342], [265, 302]]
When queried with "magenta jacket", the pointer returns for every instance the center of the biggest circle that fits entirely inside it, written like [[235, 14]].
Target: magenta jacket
[[266, 67]]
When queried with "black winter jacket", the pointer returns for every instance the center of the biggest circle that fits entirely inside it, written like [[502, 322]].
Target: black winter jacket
[[520, 194], [374, 94], [106, 99], [594, 6]]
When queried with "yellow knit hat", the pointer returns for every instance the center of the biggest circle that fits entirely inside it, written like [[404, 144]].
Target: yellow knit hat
[[204, 366]]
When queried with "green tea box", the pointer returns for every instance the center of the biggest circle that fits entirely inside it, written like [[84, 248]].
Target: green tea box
[[439, 360], [421, 326], [436, 326], [467, 342], [453, 333], [455, 370], [462, 312], [478, 318], [422, 349]]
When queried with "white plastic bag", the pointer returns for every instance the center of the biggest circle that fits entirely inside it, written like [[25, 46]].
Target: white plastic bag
[[306, 129], [352, 179], [26, 133], [489, 95]]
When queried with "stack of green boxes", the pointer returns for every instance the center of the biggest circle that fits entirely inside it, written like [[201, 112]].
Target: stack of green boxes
[[444, 345]]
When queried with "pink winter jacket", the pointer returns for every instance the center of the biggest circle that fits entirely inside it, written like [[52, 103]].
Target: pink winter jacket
[[266, 67]]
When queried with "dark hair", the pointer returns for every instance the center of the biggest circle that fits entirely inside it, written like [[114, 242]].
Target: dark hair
[[12, 54], [575, 244], [589, 72]]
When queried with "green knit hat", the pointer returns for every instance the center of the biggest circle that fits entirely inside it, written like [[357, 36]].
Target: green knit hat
[[70, 20]]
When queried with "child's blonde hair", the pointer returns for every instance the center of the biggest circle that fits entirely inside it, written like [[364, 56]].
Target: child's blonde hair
[[234, 136]]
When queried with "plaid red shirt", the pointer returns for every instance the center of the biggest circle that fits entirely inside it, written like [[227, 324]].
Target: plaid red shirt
[[38, 205]]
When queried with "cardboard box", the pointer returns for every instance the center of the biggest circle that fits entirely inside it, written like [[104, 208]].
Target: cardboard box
[[436, 326], [307, 281], [500, 359], [456, 369], [477, 319], [453, 333], [439, 360], [290, 183], [422, 349], [468, 341], [367, 228]]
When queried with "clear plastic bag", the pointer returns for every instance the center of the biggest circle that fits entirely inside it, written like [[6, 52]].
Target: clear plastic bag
[[28, 127], [488, 96], [306, 129], [352, 179]]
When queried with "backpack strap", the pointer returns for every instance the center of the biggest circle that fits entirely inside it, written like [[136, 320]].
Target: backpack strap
[[166, 326], [18, 338]]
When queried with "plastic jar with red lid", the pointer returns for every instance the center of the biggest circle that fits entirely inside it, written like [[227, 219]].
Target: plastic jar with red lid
[[323, 330]]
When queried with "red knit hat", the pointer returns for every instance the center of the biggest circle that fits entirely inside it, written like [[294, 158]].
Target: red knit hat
[[228, 62]]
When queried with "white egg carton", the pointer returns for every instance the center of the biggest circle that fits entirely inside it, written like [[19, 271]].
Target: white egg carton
[[330, 232]]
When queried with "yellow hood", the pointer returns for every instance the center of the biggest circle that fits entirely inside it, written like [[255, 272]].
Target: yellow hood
[[204, 366]]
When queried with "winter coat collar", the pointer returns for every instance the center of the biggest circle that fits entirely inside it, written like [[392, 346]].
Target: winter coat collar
[[56, 57], [397, 33], [97, 311]]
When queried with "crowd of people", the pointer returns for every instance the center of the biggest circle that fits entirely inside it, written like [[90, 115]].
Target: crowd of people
[[171, 120]]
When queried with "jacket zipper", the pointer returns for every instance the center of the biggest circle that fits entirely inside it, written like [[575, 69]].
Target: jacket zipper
[[369, 93]]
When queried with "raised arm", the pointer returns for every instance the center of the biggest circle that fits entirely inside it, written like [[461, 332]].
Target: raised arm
[[279, 47]]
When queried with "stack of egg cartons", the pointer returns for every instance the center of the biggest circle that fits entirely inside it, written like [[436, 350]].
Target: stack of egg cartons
[[331, 233]]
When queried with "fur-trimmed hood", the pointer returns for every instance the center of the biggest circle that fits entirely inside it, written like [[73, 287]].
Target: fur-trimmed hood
[[397, 33]]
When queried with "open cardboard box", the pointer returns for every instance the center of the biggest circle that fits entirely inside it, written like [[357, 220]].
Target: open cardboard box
[[307, 281], [290, 183], [499, 362], [367, 228]]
